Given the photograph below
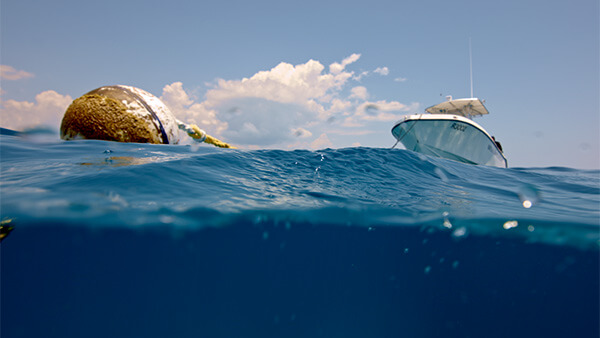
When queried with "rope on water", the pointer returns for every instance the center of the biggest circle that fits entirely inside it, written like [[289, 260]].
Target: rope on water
[[200, 135]]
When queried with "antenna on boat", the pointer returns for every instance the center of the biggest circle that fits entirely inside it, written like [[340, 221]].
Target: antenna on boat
[[471, 65]]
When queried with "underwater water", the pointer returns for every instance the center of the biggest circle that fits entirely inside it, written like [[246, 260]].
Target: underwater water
[[140, 240]]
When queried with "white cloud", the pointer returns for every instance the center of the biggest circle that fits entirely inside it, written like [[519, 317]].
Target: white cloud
[[338, 106], [283, 107], [47, 111], [400, 79], [379, 70], [270, 107], [321, 142], [382, 71], [336, 68], [185, 109], [359, 92], [10, 73], [360, 76]]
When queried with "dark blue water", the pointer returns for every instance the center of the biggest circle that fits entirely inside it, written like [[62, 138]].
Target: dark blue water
[[136, 240]]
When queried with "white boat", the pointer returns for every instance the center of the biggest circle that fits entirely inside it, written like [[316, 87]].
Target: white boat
[[447, 131]]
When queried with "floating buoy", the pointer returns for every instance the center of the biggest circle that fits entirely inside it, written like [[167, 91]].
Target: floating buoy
[[126, 114]]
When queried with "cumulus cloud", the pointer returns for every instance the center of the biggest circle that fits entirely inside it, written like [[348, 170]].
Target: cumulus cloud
[[268, 108], [359, 92], [335, 67], [186, 109], [382, 71], [360, 76], [321, 142], [379, 70], [10, 73], [282, 107], [47, 111]]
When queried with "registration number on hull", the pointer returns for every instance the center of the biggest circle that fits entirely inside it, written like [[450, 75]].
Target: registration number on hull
[[459, 127]]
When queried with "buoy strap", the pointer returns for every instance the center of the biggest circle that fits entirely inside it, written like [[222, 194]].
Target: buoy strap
[[193, 130]]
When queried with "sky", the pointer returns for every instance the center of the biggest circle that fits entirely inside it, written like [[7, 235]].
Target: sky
[[317, 74]]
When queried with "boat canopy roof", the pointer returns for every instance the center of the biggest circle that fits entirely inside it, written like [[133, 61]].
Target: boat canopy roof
[[463, 107]]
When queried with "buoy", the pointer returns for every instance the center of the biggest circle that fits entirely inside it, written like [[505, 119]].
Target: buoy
[[126, 114], [119, 113]]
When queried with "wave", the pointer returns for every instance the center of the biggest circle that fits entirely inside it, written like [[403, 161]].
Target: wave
[[100, 183]]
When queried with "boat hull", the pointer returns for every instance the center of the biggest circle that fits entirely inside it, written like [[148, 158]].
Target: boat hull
[[449, 136]]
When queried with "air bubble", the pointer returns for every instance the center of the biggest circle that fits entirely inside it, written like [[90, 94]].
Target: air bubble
[[446, 222], [459, 232], [510, 224]]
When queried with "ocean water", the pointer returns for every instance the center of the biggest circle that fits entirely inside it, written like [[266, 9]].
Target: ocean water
[[140, 240]]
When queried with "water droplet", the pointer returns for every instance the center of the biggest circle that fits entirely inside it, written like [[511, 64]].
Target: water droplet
[[530, 228], [510, 224], [108, 151], [427, 269], [406, 250], [528, 195], [265, 235], [455, 264]]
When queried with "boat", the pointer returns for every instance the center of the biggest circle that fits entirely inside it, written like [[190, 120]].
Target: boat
[[447, 130]]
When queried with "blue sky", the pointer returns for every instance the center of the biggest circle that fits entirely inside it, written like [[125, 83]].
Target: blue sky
[[314, 74]]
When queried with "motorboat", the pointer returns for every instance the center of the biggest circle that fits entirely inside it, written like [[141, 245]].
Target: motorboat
[[447, 130]]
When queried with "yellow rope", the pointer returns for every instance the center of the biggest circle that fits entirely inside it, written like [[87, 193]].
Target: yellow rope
[[201, 136]]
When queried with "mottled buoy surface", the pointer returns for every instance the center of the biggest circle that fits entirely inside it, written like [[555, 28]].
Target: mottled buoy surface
[[119, 113]]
